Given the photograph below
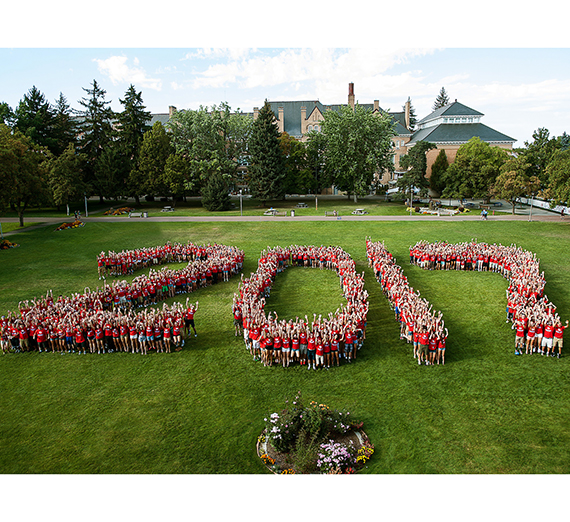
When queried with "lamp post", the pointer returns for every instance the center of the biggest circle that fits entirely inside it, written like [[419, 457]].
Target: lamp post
[[240, 203], [85, 196]]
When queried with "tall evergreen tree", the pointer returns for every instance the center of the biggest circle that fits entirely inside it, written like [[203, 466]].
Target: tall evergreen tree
[[64, 126], [133, 122], [438, 169], [267, 164], [7, 116], [442, 99], [415, 161], [215, 194], [97, 131], [34, 117]]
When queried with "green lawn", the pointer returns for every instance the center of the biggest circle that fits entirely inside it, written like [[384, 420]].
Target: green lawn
[[200, 410]]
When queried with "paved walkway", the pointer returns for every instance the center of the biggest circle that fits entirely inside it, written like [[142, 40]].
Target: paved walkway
[[500, 214]]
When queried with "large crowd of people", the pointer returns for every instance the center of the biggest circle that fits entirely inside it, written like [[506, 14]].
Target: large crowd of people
[[419, 324], [317, 342], [117, 317], [538, 327]]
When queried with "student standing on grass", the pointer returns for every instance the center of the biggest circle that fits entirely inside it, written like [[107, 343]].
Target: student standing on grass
[[558, 336], [189, 318]]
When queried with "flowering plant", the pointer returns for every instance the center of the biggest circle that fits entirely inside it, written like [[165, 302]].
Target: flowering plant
[[317, 420], [75, 224], [267, 459], [5, 244], [334, 455], [364, 453]]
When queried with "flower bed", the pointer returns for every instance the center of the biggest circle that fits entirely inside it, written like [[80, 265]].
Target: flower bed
[[5, 244], [118, 212], [75, 224], [313, 439]]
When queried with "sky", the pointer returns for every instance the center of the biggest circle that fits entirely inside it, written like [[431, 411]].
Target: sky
[[188, 57]]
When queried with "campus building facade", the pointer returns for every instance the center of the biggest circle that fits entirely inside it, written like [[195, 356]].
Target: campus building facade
[[448, 127]]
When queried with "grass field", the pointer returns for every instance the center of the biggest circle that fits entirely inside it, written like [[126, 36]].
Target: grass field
[[200, 410]]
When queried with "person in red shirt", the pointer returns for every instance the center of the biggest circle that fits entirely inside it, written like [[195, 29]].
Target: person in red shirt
[[547, 337], [558, 336], [80, 340], [520, 337], [41, 338], [189, 318], [423, 345]]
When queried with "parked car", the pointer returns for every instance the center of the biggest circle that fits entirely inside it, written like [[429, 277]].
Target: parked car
[[359, 212]]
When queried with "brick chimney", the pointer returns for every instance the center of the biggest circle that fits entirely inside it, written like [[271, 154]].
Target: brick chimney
[[407, 114], [255, 113], [171, 111], [376, 105], [351, 94], [303, 120]]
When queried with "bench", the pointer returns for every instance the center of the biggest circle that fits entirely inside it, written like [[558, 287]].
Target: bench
[[302, 205], [135, 214], [333, 213]]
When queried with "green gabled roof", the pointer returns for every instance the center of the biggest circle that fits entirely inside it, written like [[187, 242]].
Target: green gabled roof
[[459, 133], [451, 109], [292, 112]]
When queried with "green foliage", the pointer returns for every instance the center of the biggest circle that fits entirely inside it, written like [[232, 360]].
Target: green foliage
[[215, 193], [133, 122], [442, 100], [96, 127], [211, 140], [514, 181], [267, 168], [438, 169], [7, 116], [148, 175], [474, 171], [358, 145], [178, 176], [64, 129], [34, 117], [65, 176], [415, 163], [23, 169], [299, 176], [112, 171], [539, 152], [558, 172]]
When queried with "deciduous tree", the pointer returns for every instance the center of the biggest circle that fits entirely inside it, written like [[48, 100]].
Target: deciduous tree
[[358, 145], [514, 182], [23, 169], [415, 163], [474, 170]]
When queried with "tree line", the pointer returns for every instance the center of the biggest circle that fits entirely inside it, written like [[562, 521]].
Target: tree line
[[51, 154]]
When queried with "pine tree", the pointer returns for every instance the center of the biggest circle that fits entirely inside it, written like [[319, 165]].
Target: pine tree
[[215, 194], [442, 99], [267, 165], [132, 122], [35, 118], [438, 169], [97, 131], [64, 126]]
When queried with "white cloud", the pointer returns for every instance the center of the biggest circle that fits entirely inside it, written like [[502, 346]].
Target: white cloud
[[118, 71], [329, 68]]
